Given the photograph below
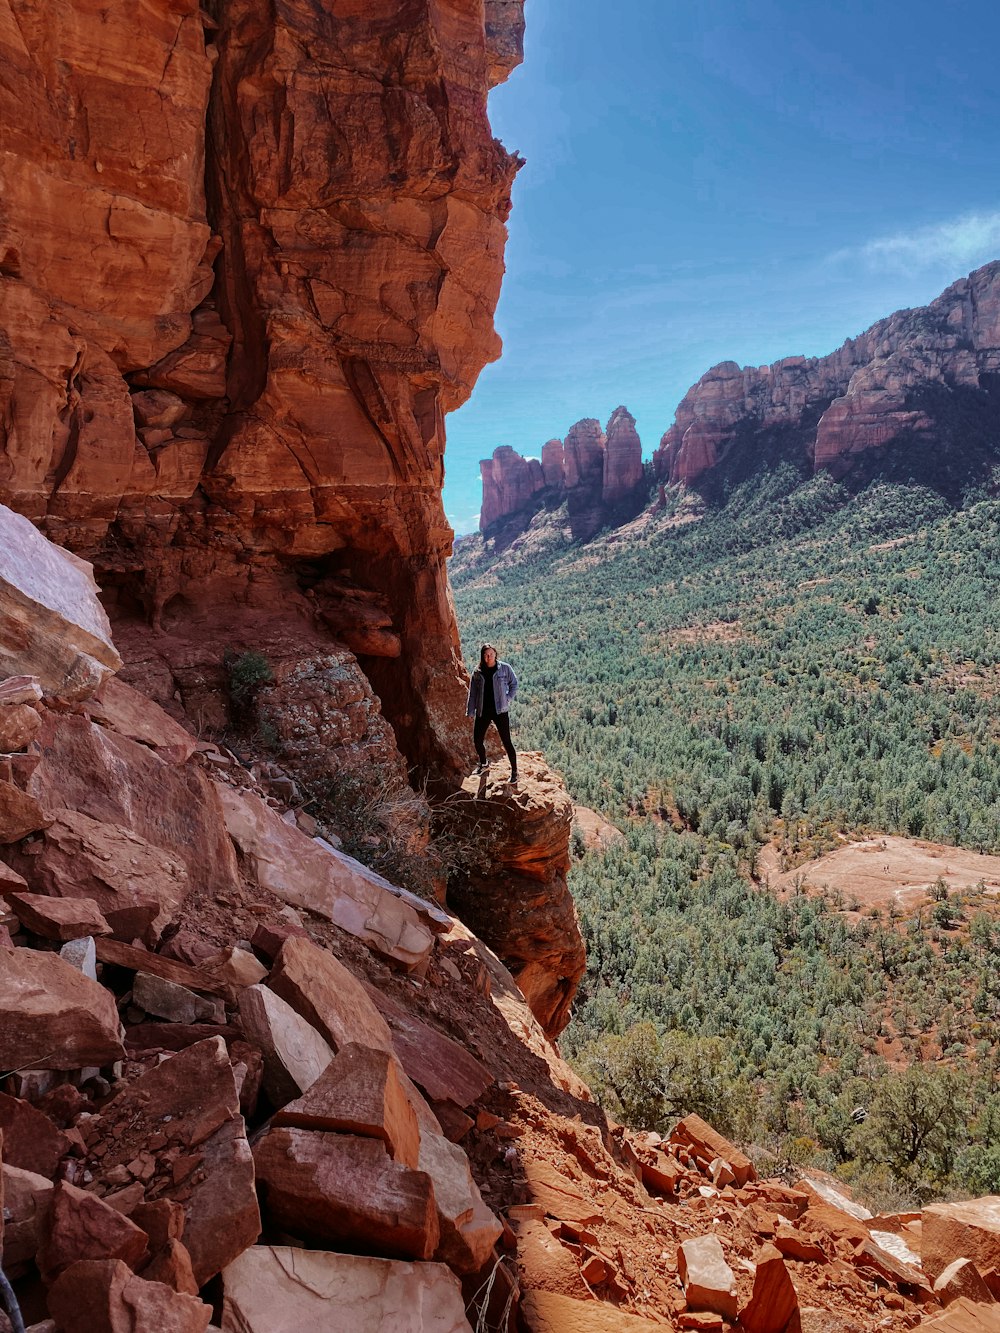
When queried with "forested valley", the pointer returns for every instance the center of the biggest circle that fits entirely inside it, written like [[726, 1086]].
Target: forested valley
[[788, 664]]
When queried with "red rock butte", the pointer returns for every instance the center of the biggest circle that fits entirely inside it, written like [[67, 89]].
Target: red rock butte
[[873, 390], [249, 258]]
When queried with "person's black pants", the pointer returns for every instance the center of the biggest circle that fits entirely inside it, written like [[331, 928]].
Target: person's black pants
[[502, 723]]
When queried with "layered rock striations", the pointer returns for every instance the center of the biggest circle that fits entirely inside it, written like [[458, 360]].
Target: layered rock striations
[[594, 471], [249, 257], [900, 379]]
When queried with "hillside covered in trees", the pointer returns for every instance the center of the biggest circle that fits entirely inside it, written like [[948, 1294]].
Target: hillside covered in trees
[[776, 664]]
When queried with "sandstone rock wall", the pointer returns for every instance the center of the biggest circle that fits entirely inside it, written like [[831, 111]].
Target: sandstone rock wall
[[863, 396], [593, 471], [249, 257]]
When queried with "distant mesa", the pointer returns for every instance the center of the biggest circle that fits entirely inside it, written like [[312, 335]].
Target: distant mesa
[[902, 379], [597, 473]]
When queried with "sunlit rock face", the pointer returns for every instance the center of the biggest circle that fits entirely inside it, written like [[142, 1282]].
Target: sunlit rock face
[[249, 258], [869, 393]]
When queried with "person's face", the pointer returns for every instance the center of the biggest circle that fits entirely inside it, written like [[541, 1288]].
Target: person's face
[[490, 657]]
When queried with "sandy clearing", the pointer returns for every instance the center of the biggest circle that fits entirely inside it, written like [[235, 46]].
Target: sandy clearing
[[878, 871]]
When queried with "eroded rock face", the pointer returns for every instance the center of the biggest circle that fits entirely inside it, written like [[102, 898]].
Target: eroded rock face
[[274, 427], [521, 907], [594, 471], [896, 380]]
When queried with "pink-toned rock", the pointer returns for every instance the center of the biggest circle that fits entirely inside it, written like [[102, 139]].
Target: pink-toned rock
[[295, 1054], [92, 771], [707, 1146], [338, 1188], [969, 1230], [443, 1069], [26, 1200], [235, 967], [82, 1226], [54, 627], [53, 1017], [57, 918], [550, 1312], [510, 483], [20, 814], [962, 1278], [131, 714], [360, 1092], [468, 1229], [282, 859], [136, 886], [104, 1296], [30, 1139], [709, 1283], [321, 989], [774, 1305], [19, 725], [965, 1316], [172, 1266], [278, 1289]]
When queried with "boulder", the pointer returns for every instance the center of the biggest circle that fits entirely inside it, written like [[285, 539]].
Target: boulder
[[20, 814], [54, 626], [360, 1092], [970, 1230], [131, 714], [962, 1278], [441, 1067], [26, 1200], [965, 1316], [278, 1289], [82, 1226], [19, 725], [548, 1312], [468, 1229], [294, 1052], [104, 1296], [341, 1189], [177, 1004], [774, 1305], [136, 886], [235, 967], [52, 1016], [321, 989], [300, 871], [709, 1283], [58, 918], [30, 1139]]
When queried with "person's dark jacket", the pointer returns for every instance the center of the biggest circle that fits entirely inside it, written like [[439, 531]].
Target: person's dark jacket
[[504, 690]]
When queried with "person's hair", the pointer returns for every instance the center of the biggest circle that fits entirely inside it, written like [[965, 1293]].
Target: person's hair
[[483, 651]]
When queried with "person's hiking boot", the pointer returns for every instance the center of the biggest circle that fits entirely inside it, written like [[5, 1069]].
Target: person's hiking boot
[[482, 768], [513, 778]]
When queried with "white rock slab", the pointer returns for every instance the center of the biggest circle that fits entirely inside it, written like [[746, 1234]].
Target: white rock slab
[[52, 624], [294, 1052]]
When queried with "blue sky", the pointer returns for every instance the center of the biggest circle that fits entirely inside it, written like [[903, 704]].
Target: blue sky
[[715, 180]]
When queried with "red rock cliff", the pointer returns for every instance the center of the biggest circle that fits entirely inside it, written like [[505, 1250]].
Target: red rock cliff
[[249, 259], [862, 396]]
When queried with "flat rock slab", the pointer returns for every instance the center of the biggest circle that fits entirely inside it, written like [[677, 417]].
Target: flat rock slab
[[468, 1229], [774, 1305], [278, 1289], [558, 1196], [546, 1312], [341, 1189], [360, 1092], [320, 988], [709, 1282], [445, 1070], [52, 1016], [57, 918], [295, 868], [54, 627], [295, 1054], [965, 1316], [131, 714]]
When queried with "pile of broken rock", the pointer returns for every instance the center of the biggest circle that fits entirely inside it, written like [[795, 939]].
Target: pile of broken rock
[[190, 1133]]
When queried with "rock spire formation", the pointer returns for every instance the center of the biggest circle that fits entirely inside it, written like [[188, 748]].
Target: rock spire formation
[[249, 258], [595, 472], [900, 380]]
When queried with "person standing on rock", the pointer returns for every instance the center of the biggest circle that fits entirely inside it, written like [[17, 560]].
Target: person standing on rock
[[492, 690]]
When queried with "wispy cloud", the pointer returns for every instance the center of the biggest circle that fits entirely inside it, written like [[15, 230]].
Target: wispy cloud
[[956, 244]]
